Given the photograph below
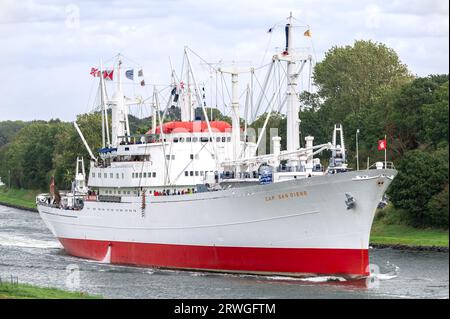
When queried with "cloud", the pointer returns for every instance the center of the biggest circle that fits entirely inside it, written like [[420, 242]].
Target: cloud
[[418, 7], [46, 52]]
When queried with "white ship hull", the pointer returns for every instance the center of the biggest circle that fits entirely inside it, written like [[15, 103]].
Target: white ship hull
[[296, 227]]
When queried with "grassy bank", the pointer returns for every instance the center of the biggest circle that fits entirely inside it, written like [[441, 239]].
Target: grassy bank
[[388, 234], [18, 197], [24, 291]]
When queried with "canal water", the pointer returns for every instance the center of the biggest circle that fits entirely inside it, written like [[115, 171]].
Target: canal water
[[29, 253]]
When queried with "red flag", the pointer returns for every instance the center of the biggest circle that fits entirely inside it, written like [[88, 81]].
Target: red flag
[[95, 72], [108, 75], [382, 145]]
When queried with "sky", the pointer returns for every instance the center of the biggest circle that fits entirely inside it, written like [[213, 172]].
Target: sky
[[47, 47]]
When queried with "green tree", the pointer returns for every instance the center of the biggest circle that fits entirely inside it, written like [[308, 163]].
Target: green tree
[[9, 129], [438, 209], [29, 156], [406, 108], [435, 118], [422, 175], [313, 119], [352, 78], [354, 82]]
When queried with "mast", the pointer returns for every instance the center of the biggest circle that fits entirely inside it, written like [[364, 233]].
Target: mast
[[104, 110], [125, 107], [103, 115], [120, 125], [293, 104], [154, 110], [236, 127], [246, 118], [187, 107]]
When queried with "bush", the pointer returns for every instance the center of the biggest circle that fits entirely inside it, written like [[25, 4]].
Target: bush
[[438, 209], [393, 216], [422, 175]]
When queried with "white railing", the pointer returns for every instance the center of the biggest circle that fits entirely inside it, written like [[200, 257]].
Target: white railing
[[382, 165]]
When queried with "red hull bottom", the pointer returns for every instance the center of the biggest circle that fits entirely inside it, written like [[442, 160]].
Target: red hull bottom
[[287, 261]]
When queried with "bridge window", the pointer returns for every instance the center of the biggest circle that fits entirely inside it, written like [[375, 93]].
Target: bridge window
[[186, 173], [223, 139], [93, 174], [188, 139], [117, 175], [99, 175], [105, 175], [154, 174], [194, 139], [228, 139], [196, 173], [145, 174], [217, 139], [191, 173]]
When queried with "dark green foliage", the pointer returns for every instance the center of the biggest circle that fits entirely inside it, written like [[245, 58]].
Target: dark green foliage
[[435, 117], [422, 175], [438, 209], [415, 109], [9, 129], [28, 159], [42, 149]]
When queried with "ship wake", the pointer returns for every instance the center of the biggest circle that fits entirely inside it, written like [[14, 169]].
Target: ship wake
[[19, 241]]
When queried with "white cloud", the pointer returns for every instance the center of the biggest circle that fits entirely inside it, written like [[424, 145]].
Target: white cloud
[[44, 63]]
